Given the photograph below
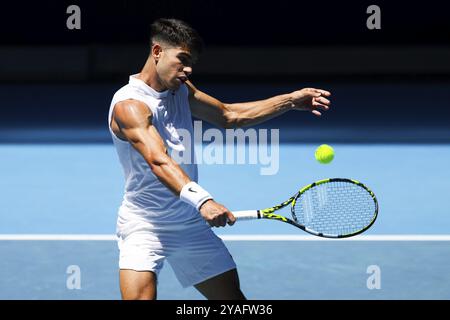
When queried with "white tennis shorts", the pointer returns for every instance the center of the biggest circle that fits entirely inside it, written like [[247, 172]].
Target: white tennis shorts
[[194, 252]]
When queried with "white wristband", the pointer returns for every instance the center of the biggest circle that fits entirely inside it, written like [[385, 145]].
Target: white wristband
[[195, 195]]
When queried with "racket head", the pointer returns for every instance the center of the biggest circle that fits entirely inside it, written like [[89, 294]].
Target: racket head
[[335, 208]]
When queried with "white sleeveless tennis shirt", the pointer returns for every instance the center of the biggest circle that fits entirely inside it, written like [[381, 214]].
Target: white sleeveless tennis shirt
[[145, 197]]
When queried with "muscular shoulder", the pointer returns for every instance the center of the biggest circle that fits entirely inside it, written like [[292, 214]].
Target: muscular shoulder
[[132, 113]]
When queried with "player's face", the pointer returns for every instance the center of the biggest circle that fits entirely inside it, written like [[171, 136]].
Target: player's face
[[174, 67]]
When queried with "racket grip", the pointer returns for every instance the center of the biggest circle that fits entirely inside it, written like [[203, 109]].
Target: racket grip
[[247, 214]]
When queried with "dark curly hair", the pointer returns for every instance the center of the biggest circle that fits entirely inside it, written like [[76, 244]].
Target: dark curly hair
[[176, 33]]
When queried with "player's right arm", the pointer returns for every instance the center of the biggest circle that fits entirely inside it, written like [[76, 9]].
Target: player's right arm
[[132, 121]]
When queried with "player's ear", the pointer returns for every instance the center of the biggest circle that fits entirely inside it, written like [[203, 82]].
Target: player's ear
[[156, 51]]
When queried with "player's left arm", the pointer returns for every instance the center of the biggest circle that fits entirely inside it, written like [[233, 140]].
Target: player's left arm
[[232, 115]]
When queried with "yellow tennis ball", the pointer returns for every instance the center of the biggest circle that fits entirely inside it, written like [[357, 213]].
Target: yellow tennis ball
[[324, 154]]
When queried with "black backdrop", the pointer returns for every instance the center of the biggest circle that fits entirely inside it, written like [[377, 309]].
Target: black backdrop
[[417, 101], [229, 22]]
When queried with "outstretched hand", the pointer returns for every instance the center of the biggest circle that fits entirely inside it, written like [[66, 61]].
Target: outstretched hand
[[312, 100]]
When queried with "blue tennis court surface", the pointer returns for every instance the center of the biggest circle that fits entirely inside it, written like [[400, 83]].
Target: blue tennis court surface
[[277, 270], [76, 189]]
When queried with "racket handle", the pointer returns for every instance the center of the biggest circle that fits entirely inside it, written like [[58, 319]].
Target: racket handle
[[247, 215]]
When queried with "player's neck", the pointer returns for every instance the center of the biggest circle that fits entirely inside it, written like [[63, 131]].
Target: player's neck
[[149, 75]]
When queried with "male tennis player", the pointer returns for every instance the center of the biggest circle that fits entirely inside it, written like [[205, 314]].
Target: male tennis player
[[164, 209]]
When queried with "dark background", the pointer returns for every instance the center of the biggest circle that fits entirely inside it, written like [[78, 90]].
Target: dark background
[[386, 82], [231, 22]]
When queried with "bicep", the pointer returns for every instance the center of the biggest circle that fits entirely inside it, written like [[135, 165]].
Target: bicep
[[135, 122]]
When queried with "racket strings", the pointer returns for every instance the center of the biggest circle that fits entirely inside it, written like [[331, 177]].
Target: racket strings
[[335, 208]]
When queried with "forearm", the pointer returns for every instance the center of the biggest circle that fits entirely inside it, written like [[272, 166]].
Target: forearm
[[252, 113], [232, 115], [168, 172], [173, 177], [162, 165]]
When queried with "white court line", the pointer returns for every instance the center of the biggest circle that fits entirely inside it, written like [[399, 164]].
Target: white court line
[[243, 237], [390, 237], [58, 237]]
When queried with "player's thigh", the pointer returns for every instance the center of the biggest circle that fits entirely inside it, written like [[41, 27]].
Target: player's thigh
[[137, 285], [224, 286]]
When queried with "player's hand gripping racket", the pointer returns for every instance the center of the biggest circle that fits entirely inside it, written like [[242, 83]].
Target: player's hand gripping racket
[[330, 208]]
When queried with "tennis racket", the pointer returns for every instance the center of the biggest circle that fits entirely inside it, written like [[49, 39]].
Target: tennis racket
[[329, 208]]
